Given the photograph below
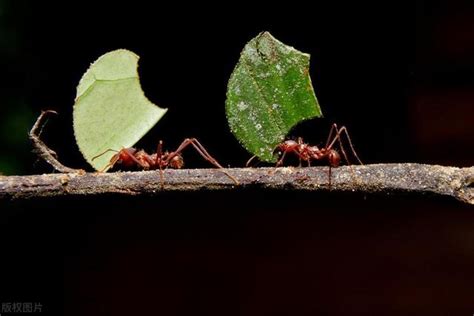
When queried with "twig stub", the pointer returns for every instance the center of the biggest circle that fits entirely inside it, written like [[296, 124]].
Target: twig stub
[[44, 151]]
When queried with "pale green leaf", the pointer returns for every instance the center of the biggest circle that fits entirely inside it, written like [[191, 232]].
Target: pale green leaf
[[111, 110], [268, 93]]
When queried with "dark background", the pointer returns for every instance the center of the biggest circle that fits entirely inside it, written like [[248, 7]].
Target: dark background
[[399, 75]]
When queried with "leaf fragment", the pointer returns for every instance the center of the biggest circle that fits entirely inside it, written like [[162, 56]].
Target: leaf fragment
[[111, 111], [269, 92]]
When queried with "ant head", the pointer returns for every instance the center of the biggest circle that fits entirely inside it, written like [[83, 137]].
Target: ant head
[[334, 158], [124, 157], [176, 162]]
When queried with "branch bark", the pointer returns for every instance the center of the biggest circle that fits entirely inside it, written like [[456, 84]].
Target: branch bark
[[382, 178]]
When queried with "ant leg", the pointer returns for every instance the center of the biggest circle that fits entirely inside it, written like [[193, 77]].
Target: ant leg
[[198, 147], [343, 130], [44, 151], [159, 153], [339, 132], [202, 151], [330, 175], [332, 140], [158, 161], [331, 131], [338, 137], [112, 162], [341, 146], [280, 161], [162, 178], [300, 142]]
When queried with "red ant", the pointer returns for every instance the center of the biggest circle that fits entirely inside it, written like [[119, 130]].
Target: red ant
[[131, 157], [307, 153]]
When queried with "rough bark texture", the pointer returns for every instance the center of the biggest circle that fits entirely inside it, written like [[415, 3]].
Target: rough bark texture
[[381, 178]]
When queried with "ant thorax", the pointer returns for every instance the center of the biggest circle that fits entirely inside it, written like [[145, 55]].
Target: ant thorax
[[145, 160], [305, 153], [168, 159]]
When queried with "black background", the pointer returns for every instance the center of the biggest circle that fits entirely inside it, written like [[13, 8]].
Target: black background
[[362, 68], [397, 74]]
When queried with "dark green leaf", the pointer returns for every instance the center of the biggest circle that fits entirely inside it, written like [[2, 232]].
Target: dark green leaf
[[269, 92]]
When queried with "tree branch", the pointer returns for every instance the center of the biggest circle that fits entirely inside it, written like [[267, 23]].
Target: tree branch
[[382, 178]]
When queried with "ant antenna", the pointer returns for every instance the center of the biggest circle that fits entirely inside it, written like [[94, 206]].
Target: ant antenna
[[112, 162], [159, 155], [108, 150]]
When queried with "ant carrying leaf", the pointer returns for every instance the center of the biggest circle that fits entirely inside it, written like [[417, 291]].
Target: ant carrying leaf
[[133, 158], [126, 157], [308, 153]]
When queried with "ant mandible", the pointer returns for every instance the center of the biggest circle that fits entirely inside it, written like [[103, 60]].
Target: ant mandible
[[131, 157], [306, 152]]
